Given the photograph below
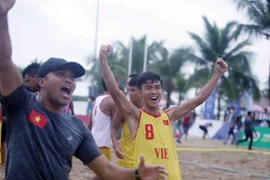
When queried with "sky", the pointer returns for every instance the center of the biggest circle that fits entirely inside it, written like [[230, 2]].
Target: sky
[[66, 28]]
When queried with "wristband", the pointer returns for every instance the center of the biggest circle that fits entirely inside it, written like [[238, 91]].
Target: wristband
[[137, 177]]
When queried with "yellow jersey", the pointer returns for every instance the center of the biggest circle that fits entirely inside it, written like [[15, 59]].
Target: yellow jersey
[[127, 146], [154, 140]]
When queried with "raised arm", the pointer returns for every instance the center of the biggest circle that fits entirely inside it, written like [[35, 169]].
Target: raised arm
[[178, 112], [128, 111], [116, 122], [10, 77]]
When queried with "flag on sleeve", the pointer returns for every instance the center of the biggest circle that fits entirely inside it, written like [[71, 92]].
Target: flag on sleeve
[[37, 119], [166, 122]]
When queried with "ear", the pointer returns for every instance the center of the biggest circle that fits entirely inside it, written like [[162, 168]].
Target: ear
[[42, 82]]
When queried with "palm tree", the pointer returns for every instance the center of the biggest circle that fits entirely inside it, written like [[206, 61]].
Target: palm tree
[[118, 61], [258, 12], [220, 43], [182, 85], [115, 63]]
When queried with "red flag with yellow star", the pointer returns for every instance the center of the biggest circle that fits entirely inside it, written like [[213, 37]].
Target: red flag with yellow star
[[37, 119], [166, 122]]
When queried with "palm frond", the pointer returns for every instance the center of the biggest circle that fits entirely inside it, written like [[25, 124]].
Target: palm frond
[[208, 53], [249, 29], [226, 36], [237, 48]]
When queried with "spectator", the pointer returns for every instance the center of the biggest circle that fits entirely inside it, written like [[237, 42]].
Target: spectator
[[31, 78], [91, 101], [232, 122], [249, 129], [204, 128]]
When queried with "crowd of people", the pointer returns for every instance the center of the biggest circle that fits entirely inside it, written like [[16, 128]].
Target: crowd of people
[[35, 110], [147, 129], [37, 105], [42, 138], [235, 122]]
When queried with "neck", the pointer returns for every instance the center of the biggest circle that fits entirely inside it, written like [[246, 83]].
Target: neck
[[139, 104], [151, 110], [47, 104]]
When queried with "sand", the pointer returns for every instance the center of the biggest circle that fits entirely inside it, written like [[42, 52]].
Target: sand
[[198, 160]]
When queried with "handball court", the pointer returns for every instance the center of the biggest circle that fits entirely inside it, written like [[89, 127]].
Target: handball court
[[204, 160]]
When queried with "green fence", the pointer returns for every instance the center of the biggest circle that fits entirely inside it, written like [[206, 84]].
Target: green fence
[[262, 141]]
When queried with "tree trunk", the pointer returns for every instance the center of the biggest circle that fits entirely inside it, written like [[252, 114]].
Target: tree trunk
[[180, 98], [169, 88], [168, 99]]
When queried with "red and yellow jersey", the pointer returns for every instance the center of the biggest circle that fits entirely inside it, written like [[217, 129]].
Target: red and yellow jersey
[[127, 146], [154, 140]]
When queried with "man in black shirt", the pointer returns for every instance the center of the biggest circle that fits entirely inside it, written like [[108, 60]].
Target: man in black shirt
[[249, 129]]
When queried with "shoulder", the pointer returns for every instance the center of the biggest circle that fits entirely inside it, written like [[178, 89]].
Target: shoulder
[[108, 101], [18, 98]]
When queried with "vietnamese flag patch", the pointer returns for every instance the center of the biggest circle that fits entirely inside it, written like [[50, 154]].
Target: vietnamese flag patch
[[37, 119], [166, 122]]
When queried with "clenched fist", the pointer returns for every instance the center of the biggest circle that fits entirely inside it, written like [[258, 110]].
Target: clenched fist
[[105, 51], [5, 6], [221, 66]]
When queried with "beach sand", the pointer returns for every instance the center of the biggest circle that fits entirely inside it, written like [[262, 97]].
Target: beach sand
[[203, 160]]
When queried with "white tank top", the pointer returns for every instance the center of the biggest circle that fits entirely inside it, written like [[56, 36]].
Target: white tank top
[[101, 124]]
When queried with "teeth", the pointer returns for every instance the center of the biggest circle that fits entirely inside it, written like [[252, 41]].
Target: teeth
[[153, 98]]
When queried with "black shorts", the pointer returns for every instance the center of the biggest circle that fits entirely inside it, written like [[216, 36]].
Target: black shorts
[[203, 128], [231, 131], [3, 135]]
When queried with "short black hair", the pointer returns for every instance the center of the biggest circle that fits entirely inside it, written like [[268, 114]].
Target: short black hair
[[134, 81], [146, 76], [249, 113], [31, 69], [133, 75]]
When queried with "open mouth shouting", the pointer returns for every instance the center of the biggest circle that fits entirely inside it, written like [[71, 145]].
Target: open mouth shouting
[[154, 98], [66, 90]]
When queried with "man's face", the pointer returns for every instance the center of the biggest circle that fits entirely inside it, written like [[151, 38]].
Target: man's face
[[31, 82], [152, 93], [59, 86], [134, 94]]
